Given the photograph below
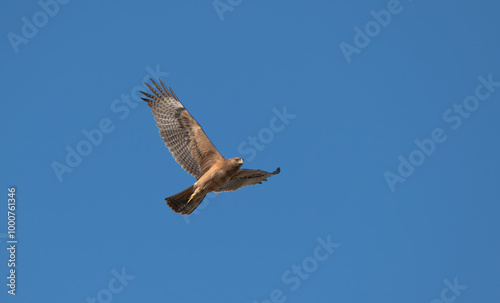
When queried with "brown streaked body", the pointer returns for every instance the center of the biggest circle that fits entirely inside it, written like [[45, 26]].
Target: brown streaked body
[[192, 149]]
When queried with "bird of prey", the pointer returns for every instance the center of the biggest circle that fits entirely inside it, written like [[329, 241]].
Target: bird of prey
[[192, 149]]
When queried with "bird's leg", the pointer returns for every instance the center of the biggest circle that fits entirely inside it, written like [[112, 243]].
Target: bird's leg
[[191, 197]]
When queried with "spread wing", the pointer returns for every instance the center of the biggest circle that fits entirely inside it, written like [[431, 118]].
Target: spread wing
[[245, 177], [183, 136]]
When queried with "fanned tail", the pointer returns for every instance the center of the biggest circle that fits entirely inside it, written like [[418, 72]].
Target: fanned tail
[[179, 202]]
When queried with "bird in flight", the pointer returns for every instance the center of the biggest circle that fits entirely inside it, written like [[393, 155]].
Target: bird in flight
[[192, 149]]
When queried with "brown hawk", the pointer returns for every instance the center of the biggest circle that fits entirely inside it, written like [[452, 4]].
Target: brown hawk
[[192, 149]]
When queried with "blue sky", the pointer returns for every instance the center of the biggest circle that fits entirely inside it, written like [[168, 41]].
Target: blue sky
[[382, 115]]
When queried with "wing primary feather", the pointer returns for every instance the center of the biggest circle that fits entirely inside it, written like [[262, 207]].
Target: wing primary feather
[[157, 87], [173, 94], [157, 94], [148, 102], [148, 95], [165, 88]]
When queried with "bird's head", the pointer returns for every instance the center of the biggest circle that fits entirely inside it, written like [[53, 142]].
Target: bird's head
[[238, 160]]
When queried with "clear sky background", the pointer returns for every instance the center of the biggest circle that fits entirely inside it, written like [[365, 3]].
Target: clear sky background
[[328, 93]]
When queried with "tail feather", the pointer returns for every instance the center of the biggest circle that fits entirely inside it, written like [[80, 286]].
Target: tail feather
[[179, 202]]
